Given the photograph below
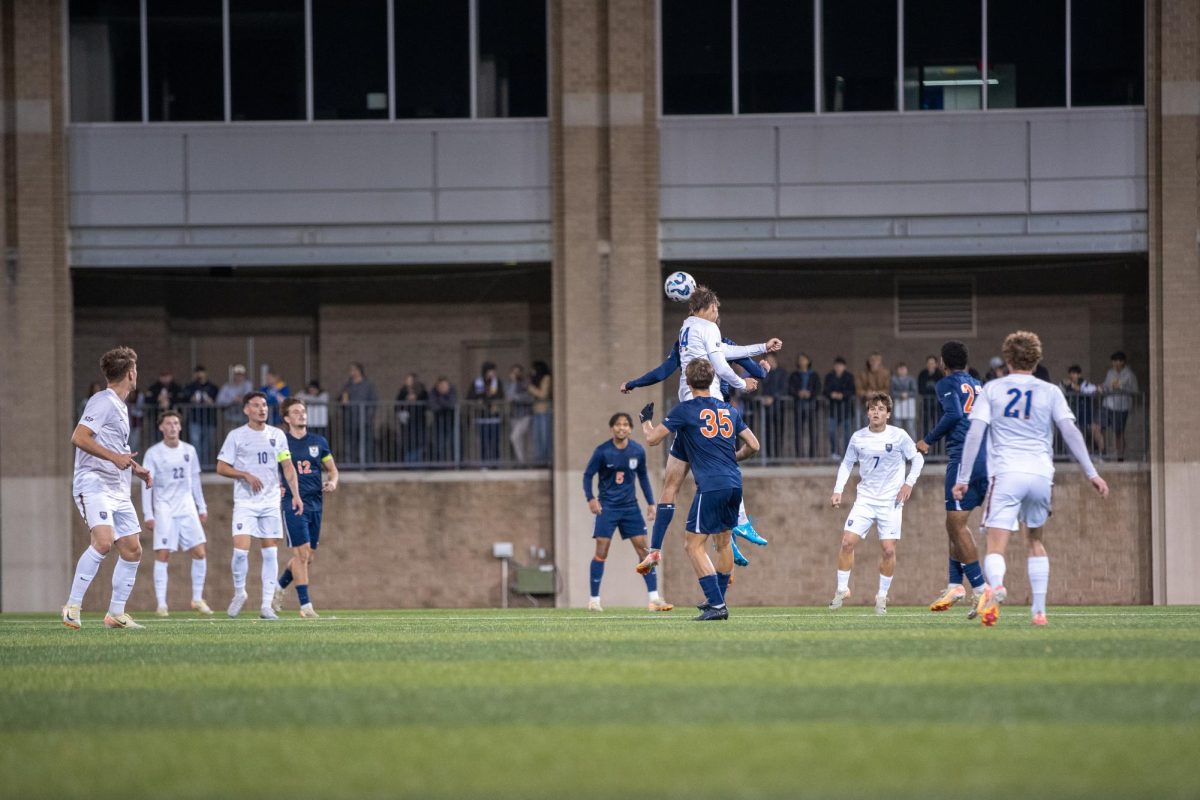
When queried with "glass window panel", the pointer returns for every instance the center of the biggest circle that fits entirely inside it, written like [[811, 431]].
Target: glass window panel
[[433, 58], [697, 57], [942, 44], [106, 61], [511, 70], [775, 56], [266, 59], [1027, 53], [1107, 53], [859, 58], [350, 79], [184, 51]]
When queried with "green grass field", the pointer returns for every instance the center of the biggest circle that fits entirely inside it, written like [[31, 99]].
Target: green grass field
[[1105, 702]]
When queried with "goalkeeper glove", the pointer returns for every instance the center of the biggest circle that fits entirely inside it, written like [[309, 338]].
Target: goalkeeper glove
[[647, 412]]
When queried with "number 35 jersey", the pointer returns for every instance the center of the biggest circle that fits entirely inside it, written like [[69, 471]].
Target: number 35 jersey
[[259, 453], [710, 430], [1022, 412]]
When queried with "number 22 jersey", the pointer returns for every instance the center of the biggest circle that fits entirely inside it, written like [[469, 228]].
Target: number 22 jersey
[[259, 453]]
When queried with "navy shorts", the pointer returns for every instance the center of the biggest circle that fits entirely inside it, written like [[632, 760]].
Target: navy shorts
[[1114, 419], [628, 520], [303, 529], [715, 511], [976, 489]]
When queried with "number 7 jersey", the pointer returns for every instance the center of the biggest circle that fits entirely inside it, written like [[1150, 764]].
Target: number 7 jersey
[[1021, 412]]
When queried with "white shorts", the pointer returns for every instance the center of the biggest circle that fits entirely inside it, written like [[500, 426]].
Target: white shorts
[[259, 523], [1016, 497], [178, 533], [886, 518], [106, 509]]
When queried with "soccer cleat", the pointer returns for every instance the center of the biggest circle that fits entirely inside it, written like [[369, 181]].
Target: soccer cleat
[[738, 558], [277, 599], [838, 598], [974, 612], [880, 604], [201, 607], [648, 563], [239, 600], [70, 616], [120, 621], [709, 614], [988, 608], [949, 597], [267, 613], [162, 611], [307, 611], [659, 605], [594, 605], [1039, 619], [747, 532]]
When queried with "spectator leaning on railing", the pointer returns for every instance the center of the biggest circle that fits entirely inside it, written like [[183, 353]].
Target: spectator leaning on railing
[[541, 388], [875, 378], [904, 395], [201, 396], [927, 389], [410, 418], [316, 400], [838, 388], [1119, 385], [231, 394], [804, 385], [520, 409], [443, 402], [1081, 394], [358, 398]]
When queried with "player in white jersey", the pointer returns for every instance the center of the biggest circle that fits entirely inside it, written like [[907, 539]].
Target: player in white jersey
[[700, 337], [252, 455], [101, 488], [174, 510], [1019, 413], [881, 451]]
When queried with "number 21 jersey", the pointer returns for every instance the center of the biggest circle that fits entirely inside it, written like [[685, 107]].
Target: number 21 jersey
[[259, 453], [1021, 411]]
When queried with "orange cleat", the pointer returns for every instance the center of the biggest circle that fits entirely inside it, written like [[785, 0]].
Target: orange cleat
[[649, 563], [988, 608], [1039, 619], [949, 597]]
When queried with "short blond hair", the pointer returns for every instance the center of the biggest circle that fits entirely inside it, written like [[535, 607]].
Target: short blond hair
[[1022, 350]]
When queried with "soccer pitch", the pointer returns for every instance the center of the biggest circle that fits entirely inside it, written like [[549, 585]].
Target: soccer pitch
[[1104, 702]]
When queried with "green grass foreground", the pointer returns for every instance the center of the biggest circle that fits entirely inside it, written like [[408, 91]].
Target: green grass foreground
[[1105, 702]]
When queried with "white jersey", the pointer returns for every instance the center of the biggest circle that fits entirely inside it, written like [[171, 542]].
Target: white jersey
[[881, 458], [699, 338], [259, 453], [1021, 412], [176, 474], [106, 415]]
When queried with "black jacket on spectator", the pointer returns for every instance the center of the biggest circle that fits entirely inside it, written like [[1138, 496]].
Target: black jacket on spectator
[[845, 385], [799, 381], [927, 381]]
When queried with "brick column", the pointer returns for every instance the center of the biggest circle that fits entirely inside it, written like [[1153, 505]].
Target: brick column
[[1173, 114], [607, 301]]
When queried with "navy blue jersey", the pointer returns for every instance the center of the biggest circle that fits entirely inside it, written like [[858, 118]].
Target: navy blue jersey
[[710, 431], [307, 456], [617, 467], [956, 392]]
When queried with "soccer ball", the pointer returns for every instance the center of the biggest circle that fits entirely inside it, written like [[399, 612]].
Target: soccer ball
[[679, 286]]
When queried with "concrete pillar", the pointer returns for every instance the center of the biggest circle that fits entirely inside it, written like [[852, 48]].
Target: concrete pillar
[[35, 313], [606, 284], [1173, 114]]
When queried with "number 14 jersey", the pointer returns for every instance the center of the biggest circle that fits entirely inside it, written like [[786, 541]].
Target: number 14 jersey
[[259, 453], [1021, 411]]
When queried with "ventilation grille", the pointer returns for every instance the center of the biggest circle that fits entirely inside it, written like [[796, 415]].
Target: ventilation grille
[[935, 307]]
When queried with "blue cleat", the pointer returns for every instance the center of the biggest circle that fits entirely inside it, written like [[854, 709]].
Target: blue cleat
[[738, 558], [748, 533]]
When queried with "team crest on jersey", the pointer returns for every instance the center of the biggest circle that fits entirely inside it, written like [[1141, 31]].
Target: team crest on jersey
[[887, 447], [272, 441], [103, 515], [239, 526], [633, 462], [187, 457], [313, 450]]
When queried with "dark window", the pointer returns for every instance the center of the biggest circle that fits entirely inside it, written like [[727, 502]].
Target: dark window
[[775, 56], [697, 57], [942, 44], [1107, 53], [183, 39], [859, 62], [433, 58], [1027, 53], [511, 70], [350, 79], [266, 59], [106, 61]]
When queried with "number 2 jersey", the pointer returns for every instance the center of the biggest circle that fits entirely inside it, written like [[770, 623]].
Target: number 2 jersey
[[1021, 412], [881, 458], [710, 430], [308, 454], [259, 453]]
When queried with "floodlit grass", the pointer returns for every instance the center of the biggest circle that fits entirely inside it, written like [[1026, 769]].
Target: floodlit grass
[[1105, 702]]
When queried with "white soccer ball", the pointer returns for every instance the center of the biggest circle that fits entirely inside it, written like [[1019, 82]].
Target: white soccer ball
[[679, 286]]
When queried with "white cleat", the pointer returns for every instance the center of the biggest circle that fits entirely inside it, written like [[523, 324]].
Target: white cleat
[[120, 621], [838, 599], [70, 616], [277, 599], [307, 611], [239, 600], [161, 611], [267, 613], [201, 607], [594, 605], [880, 604]]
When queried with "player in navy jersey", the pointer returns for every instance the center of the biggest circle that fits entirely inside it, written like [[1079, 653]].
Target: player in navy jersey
[[310, 455], [618, 461], [711, 430], [675, 477], [957, 392]]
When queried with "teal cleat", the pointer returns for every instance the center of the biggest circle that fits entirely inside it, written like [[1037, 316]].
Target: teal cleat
[[748, 533], [738, 558]]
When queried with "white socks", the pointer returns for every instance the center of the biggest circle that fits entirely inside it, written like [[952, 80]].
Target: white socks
[[994, 567], [270, 574], [122, 584], [160, 582], [843, 580], [654, 596], [742, 518], [1039, 579], [86, 569], [241, 565], [885, 583], [199, 570]]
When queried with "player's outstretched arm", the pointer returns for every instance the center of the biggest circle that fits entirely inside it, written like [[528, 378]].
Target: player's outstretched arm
[[656, 375]]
